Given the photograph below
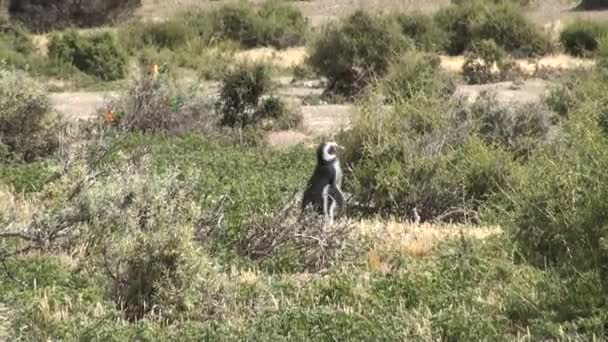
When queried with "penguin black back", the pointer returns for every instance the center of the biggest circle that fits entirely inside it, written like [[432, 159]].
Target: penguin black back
[[323, 189]]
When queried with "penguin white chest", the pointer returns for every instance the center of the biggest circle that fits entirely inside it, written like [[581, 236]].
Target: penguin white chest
[[338, 172]]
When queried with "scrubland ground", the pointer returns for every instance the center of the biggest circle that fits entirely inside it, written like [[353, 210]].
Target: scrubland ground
[[164, 205]]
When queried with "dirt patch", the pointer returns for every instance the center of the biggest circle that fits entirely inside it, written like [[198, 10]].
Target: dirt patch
[[527, 91], [80, 105], [556, 62]]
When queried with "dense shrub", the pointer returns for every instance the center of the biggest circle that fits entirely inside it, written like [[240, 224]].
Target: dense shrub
[[16, 37], [580, 38], [503, 22], [162, 105], [241, 104], [284, 24], [25, 128], [45, 15], [240, 94], [510, 29], [519, 129], [558, 219], [423, 30], [352, 54], [416, 72], [97, 54], [418, 154], [148, 228], [170, 34], [576, 89], [238, 22]]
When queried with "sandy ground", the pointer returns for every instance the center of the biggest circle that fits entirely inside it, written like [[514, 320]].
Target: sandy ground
[[321, 11]]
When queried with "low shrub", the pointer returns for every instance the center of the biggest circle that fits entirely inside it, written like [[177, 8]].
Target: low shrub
[[420, 154], [416, 72], [423, 30], [504, 22], [507, 25], [238, 22], [43, 16], [284, 24], [487, 62], [26, 126], [170, 34], [97, 54], [16, 37], [241, 104], [520, 129], [161, 105], [557, 220], [148, 251], [457, 20], [581, 37], [576, 89], [352, 54]]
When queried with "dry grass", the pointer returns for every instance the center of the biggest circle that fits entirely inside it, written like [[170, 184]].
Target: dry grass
[[17, 206], [413, 240], [283, 58]]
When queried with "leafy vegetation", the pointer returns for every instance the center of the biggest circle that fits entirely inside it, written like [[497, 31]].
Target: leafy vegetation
[[351, 54], [581, 38], [25, 120], [241, 103], [98, 54], [503, 22]]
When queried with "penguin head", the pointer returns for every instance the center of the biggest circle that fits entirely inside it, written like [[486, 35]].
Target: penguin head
[[327, 152]]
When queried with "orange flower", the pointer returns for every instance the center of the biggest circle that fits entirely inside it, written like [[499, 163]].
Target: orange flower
[[110, 118]]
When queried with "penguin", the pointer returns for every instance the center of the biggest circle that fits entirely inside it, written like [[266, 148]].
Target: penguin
[[324, 188]]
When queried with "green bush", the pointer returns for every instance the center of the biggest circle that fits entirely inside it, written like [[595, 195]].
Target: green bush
[[520, 129], [284, 24], [97, 54], [423, 30], [420, 154], [171, 34], [505, 23], [43, 15], [510, 29], [576, 89], [240, 23], [16, 36], [416, 72], [25, 124], [352, 54], [241, 92], [580, 38], [558, 219], [457, 21], [148, 246]]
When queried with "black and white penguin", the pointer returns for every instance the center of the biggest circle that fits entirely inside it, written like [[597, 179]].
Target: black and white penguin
[[323, 191]]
